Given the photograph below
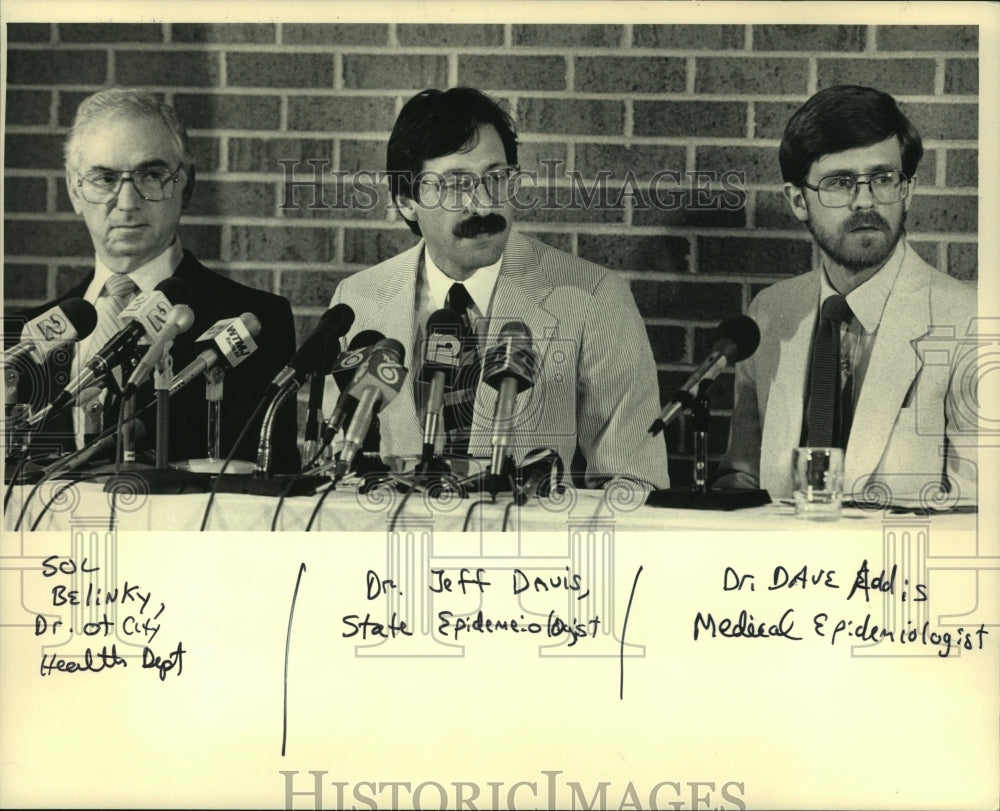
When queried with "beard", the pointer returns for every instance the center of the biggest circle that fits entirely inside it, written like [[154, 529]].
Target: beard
[[865, 241]]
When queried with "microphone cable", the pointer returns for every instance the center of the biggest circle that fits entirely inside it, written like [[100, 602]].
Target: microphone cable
[[22, 460], [54, 469], [472, 507], [59, 492], [319, 506], [229, 458], [117, 461], [399, 510]]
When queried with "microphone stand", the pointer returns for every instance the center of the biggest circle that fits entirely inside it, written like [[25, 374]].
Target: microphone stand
[[162, 376], [14, 413], [699, 495], [261, 482], [162, 478], [215, 379], [212, 463]]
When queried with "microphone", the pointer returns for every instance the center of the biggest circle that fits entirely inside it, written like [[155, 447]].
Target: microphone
[[232, 342], [146, 314], [376, 384], [442, 359], [539, 474], [72, 320], [180, 319], [329, 351], [348, 367], [334, 323], [509, 368], [738, 338], [90, 404]]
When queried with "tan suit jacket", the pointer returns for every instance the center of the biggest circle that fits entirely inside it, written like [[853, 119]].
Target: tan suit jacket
[[913, 436], [596, 384]]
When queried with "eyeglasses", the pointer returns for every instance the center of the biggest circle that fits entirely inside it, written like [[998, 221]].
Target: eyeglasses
[[837, 191], [153, 185], [500, 184]]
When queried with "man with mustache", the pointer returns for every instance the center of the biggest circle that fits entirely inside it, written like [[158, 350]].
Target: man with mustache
[[903, 415], [452, 162]]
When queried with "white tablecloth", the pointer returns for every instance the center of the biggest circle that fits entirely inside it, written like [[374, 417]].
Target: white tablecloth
[[348, 510]]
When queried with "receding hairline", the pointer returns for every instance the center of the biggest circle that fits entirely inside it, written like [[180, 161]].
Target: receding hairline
[[83, 129]]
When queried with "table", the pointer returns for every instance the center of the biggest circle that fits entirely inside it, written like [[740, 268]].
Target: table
[[348, 510]]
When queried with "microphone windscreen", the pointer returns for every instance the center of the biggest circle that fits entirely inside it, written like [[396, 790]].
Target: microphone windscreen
[[742, 331], [252, 323], [338, 319], [446, 321], [176, 290], [513, 355], [367, 337], [81, 314], [394, 348]]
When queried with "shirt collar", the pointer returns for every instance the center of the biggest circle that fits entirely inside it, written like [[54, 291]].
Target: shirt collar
[[146, 276], [480, 284], [867, 301]]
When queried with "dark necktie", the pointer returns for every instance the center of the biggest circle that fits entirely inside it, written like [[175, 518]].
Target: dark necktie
[[825, 417], [460, 401]]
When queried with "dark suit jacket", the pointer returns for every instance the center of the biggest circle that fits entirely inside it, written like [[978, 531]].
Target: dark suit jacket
[[213, 297]]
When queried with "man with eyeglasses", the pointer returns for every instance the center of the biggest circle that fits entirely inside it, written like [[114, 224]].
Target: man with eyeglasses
[[453, 175], [130, 174], [851, 353]]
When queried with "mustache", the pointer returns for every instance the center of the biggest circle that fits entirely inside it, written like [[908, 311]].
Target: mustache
[[867, 219], [475, 225]]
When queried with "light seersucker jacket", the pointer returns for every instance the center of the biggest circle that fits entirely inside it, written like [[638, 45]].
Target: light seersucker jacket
[[913, 438], [596, 384]]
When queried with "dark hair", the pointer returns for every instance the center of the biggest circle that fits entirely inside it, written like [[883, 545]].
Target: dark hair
[[435, 123], [840, 118]]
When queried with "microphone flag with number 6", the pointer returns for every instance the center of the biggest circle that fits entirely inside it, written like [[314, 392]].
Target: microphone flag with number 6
[[379, 383], [348, 367]]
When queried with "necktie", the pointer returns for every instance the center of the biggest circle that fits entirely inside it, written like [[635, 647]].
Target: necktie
[[118, 291], [459, 403], [825, 408]]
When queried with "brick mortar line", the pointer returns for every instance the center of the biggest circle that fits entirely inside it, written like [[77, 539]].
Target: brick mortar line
[[393, 49], [598, 229], [560, 95], [555, 138]]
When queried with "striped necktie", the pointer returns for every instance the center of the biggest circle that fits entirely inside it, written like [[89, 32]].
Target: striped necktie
[[118, 291], [825, 412], [460, 401]]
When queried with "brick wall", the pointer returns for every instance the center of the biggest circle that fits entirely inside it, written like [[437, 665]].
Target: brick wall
[[598, 100]]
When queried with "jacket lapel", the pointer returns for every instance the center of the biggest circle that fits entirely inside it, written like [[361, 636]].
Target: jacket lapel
[[394, 309], [893, 366], [519, 294], [782, 428]]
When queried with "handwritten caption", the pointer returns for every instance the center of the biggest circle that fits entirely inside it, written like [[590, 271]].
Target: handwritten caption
[[859, 589], [125, 611], [480, 582]]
